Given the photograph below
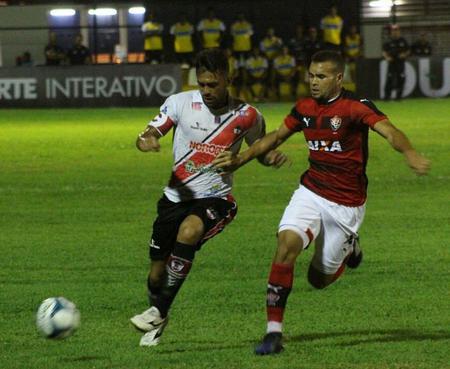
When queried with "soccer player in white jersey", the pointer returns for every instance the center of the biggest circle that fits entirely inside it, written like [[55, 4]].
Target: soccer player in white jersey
[[197, 203]]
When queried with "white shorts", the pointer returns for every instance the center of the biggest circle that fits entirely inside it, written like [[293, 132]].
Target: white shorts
[[331, 225]]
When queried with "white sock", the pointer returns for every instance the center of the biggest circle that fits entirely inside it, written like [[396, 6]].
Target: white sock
[[273, 326]]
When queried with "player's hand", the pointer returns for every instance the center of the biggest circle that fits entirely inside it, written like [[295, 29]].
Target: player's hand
[[226, 162], [419, 164], [146, 142], [276, 159]]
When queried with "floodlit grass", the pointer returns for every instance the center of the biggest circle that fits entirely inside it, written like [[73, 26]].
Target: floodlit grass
[[77, 201]]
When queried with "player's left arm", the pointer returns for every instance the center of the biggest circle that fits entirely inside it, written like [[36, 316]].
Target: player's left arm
[[273, 158], [400, 142]]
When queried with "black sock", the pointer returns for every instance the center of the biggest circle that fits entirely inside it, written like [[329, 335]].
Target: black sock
[[177, 269], [153, 292]]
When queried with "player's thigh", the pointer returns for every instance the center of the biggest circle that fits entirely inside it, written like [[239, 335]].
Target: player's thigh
[[339, 225], [165, 228], [302, 216], [216, 214]]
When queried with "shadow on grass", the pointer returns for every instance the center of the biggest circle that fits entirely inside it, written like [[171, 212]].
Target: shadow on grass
[[375, 336], [86, 358], [368, 337]]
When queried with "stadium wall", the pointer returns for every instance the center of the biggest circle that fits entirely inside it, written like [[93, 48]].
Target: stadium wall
[[89, 86], [425, 77]]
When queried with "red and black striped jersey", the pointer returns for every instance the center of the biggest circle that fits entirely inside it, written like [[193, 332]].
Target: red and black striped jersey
[[336, 132]]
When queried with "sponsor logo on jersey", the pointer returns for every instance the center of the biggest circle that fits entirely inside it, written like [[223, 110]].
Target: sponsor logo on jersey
[[323, 145], [191, 167], [237, 130], [164, 110], [335, 123], [197, 126], [161, 118], [196, 106], [206, 147]]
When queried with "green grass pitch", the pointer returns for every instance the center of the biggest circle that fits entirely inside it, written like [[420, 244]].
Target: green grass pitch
[[77, 201]]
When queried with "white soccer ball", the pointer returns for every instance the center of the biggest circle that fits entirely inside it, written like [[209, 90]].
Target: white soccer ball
[[57, 317]]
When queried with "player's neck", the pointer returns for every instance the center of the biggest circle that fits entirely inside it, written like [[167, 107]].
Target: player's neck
[[228, 105]]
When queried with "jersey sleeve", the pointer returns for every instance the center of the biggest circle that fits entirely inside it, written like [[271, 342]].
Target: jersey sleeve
[[257, 131], [166, 118], [293, 120], [367, 113]]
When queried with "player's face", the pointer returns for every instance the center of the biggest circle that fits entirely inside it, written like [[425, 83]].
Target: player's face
[[324, 81], [213, 88]]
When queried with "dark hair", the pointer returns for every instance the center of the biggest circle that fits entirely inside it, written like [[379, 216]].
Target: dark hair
[[330, 56], [212, 60]]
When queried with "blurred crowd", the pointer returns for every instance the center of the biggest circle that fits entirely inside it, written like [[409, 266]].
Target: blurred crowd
[[256, 65]]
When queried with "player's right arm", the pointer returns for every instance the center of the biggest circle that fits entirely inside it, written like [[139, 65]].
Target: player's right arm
[[229, 162], [148, 140]]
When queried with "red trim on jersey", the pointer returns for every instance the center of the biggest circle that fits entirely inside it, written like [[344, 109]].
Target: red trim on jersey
[[224, 138], [310, 236], [165, 127]]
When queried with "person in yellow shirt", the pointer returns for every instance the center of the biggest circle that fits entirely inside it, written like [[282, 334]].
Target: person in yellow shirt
[[153, 44], [352, 44], [331, 26], [211, 31], [234, 73], [284, 67], [257, 68], [242, 32], [271, 45], [352, 50], [182, 32]]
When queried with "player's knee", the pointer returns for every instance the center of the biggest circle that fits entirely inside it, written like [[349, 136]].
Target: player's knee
[[289, 246], [318, 280]]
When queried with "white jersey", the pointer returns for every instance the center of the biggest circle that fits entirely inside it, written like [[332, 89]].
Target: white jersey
[[199, 137]]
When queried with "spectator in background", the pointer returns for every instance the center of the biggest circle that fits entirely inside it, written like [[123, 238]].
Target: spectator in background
[[331, 26], [234, 73], [284, 67], [24, 60], [271, 45], [312, 45], [182, 32], [395, 51], [79, 54], [257, 67], [297, 45], [242, 32], [422, 46], [211, 30], [153, 43], [54, 55], [352, 50]]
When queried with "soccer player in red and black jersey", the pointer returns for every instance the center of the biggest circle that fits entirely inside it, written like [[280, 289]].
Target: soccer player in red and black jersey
[[328, 207]]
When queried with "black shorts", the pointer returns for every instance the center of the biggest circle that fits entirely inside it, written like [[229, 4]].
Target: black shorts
[[215, 213]]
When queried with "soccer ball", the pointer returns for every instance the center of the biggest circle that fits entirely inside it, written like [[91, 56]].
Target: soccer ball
[[57, 317]]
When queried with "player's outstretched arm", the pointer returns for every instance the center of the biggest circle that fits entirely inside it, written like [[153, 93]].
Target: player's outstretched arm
[[229, 162], [398, 140], [148, 140]]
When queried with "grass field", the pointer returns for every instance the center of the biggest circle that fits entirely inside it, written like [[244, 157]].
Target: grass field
[[77, 202]]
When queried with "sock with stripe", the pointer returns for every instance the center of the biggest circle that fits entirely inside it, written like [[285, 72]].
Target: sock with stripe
[[280, 285], [177, 269]]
